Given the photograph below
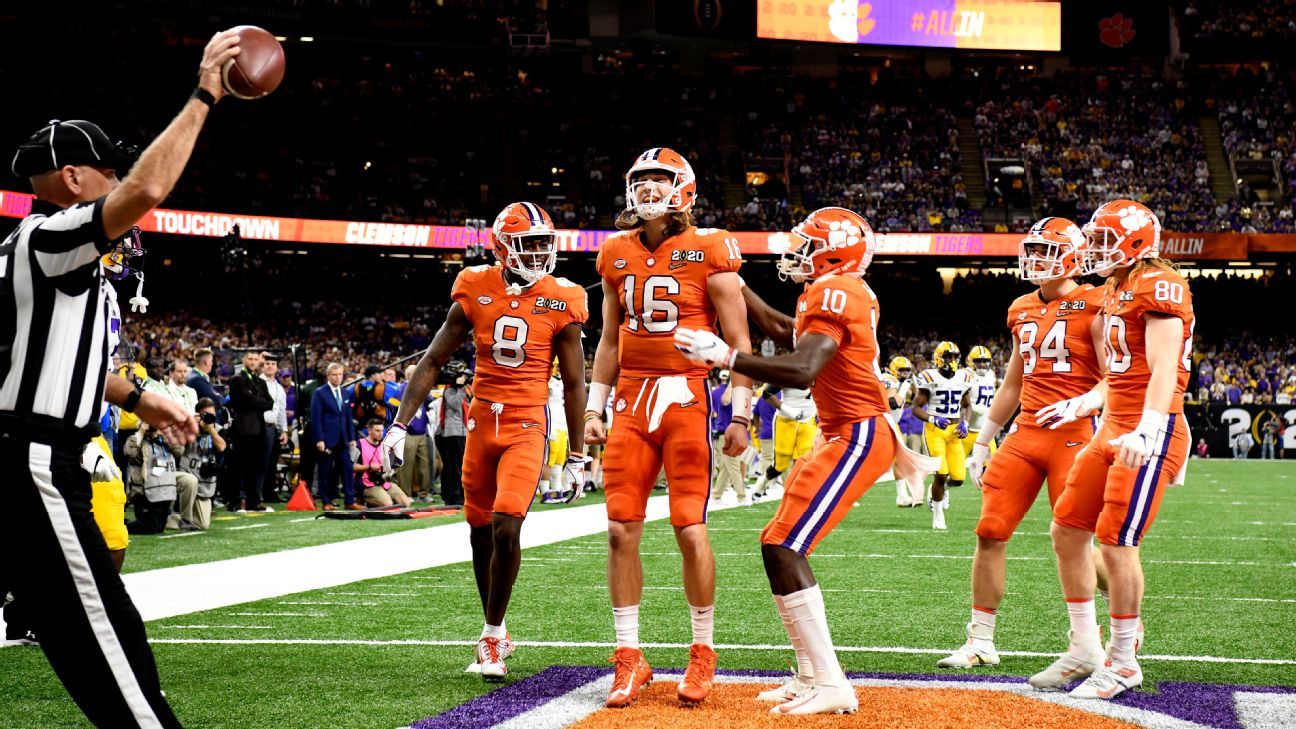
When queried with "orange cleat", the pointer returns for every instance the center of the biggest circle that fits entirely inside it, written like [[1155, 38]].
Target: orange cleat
[[632, 674], [698, 677]]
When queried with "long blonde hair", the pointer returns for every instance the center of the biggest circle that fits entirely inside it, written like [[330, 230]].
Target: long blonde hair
[[676, 223], [1141, 266]]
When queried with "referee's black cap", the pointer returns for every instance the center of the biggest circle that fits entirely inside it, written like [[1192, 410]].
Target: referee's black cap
[[75, 142]]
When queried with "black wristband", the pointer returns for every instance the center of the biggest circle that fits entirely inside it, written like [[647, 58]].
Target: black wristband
[[204, 96], [132, 400]]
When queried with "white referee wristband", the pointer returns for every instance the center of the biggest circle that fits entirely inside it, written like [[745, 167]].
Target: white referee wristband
[[742, 402], [989, 429], [598, 397]]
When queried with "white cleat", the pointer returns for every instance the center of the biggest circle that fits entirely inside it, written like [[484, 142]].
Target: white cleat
[[977, 651], [491, 653], [1068, 668], [938, 519], [902, 495], [790, 689], [1109, 681], [821, 700]]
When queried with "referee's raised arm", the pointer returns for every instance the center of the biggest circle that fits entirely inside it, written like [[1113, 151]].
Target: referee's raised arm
[[55, 351]]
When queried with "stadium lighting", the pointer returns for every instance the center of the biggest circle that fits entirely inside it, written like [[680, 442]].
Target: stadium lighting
[[307, 39]]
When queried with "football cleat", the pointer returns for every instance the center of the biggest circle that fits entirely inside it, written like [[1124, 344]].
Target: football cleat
[[938, 519], [790, 689], [1068, 668], [977, 651], [632, 674], [491, 653], [695, 686], [820, 700], [1109, 681]]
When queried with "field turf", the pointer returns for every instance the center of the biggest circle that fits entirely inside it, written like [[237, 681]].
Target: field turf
[[1221, 583]]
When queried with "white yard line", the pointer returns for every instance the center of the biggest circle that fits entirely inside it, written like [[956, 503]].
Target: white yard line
[[181, 534], [246, 526], [172, 591], [719, 647]]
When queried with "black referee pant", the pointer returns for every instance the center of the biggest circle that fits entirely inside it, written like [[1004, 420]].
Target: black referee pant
[[55, 559]]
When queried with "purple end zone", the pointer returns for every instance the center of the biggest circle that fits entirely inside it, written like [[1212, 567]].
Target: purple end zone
[[1208, 704]]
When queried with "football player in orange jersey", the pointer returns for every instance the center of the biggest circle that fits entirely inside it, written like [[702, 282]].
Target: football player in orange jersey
[[1115, 486], [1056, 332], [660, 272], [836, 353], [519, 317]]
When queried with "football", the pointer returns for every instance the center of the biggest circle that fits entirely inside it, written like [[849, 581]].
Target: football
[[258, 69]]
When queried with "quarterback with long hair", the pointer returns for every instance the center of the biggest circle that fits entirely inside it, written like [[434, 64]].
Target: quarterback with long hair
[[660, 273]]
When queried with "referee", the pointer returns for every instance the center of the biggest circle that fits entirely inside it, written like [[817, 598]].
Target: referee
[[53, 380]]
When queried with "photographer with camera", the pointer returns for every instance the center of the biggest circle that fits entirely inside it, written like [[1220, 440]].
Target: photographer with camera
[[452, 429], [374, 479], [152, 483], [200, 463]]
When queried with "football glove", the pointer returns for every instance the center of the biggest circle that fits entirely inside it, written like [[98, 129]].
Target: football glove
[[1142, 443], [393, 447], [705, 348], [1068, 411], [962, 429], [790, 414], [574, 473], [939, 422], [976, 463], [98, 464]]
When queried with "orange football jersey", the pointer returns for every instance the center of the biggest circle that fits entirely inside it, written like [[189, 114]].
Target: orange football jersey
[[661, 290], [1152, 291], [1056, 346], [514, 334], [849, 389]]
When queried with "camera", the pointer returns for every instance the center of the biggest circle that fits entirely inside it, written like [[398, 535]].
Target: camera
[[208, 418], [453, 370]]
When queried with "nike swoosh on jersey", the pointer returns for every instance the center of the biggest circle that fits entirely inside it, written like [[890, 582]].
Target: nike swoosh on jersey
[[1074, 443], [691, 402]]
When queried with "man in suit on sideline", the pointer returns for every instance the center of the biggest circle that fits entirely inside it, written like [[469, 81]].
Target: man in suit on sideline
[[334, 432], [249, 400]]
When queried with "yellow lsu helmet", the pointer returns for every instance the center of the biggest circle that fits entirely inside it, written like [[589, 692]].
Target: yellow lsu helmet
[[554, 371], [978, 354], [899, 363], [946, 356]]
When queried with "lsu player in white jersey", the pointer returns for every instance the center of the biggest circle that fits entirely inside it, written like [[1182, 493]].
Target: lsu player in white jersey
[[985, 382], [898, 381], [795, 429], [944, 402]]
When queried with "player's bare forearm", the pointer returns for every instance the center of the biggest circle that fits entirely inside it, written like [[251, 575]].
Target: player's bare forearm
[[1098, 331], [1008, 397], [726, 292], [798, 369], [606, 368], [571, 365], [448, 338], [965, 408], [1164, 343], [776, 325], [920, 406]]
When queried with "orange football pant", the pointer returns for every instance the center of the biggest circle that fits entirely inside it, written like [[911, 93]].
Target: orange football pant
[[634, 456], [504, 455], [1119, 504], [823, 487], [1030, 456]]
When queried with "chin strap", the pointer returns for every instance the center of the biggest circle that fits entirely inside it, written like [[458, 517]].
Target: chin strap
[[138, 303]]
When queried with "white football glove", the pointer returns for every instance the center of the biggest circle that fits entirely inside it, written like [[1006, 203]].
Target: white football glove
[[705, 348], [1142, 443], [393, 447], [976, 463], [1068, 411], [787, 412], [98, 464], [574, 473]]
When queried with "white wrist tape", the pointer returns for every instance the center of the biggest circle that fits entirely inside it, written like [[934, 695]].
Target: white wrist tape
[[742, 402], [989, 429], [598, 397], [1152, 422]]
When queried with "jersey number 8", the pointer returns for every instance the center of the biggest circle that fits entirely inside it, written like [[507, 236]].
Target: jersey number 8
[[510, 336]]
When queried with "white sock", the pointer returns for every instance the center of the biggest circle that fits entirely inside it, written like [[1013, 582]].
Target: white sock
[[945, 501], [493, 631], [984, 619], [804, 668], [1084, 625], [556, 478], [703, 624], [544, 487], [806, 609], [902, 491], [1124, 638], [626, 620]]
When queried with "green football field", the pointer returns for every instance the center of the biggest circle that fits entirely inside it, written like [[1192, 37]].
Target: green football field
[[1220, 564]]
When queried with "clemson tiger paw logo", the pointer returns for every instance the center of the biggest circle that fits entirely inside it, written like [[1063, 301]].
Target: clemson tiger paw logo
[[472, 425], [843, 233], [1132, 218], [849, 20], [1116, 31]]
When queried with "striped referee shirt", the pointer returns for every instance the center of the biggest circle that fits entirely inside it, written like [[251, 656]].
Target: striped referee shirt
[[53, 319]]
